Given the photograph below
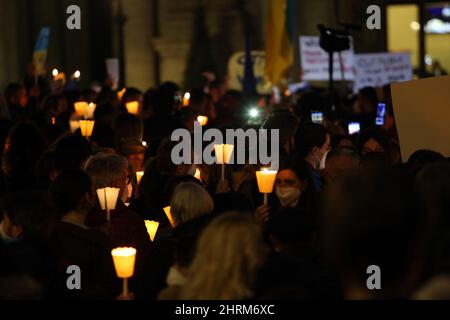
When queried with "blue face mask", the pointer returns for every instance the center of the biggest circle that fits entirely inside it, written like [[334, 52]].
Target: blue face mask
[[4, 237]]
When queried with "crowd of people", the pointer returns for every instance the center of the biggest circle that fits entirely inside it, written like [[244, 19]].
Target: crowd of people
[[341, 202]]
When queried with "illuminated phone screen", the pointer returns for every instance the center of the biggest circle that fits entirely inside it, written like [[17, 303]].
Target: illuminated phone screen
[[353, 127], [381, 111], [317, 117]]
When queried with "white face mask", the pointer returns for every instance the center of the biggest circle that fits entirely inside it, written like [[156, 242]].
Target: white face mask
[[288, 196]]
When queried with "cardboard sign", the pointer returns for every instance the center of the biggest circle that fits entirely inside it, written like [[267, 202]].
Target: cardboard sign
[[422, 109], [236, 71], [315, 62], [40, 51], [379, 69]]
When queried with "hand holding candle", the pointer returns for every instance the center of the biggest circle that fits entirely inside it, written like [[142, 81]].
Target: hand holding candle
[[124, 259], [266, 180], [152, 227]]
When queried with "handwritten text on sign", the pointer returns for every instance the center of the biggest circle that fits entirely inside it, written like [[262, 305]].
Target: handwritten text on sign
[[315, 61], [379, 69]]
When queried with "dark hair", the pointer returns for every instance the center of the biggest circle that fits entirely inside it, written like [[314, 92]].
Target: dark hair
[[344, 150], [310, 135], [25, 145], [375, 134], [231, 201], [421, 158], [68, 189], [29, 209], [286, 122], [128, 127], [12, 90], [297, 165], [131, 94], [71, 152], [371, 217]]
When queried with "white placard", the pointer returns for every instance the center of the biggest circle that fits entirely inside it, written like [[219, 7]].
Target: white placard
[[379, 69], [112, 69], [315, 61]]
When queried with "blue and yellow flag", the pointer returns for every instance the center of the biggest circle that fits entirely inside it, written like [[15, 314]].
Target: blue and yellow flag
[[40, 50], [280, 38]]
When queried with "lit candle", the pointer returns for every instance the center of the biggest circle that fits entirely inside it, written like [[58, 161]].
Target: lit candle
[[55, 73], [124, 260], [186, 98], [120, 94], [202, 120], [132, 107], [198, 174], [108, 199], [89, 112], [169, 216], [223, 155], [86, 127], [80, 108], [139, 175], [77, 75], [152, 227], [266, 180]]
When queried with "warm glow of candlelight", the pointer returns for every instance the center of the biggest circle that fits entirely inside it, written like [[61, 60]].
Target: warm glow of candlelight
[[55, 72], [186, 98], [139, 175], [223, 153], [89, 112], [202, 120], [169, 216], [74, 125], [132, 107], [77, 74], [120, 94], [124, 259], [108, 197], [266, 180], [86, 127], [80, 108], [198, 174], [152, 227]]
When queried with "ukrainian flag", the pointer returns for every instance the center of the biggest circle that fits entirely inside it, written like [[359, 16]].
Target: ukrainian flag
[[280, 38]]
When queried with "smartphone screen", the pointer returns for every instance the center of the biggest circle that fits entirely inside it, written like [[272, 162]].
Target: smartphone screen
[[317, 117], [353, 127], [381, 111]]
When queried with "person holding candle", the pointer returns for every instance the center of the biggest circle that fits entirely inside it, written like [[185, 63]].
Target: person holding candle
[[127, 227], [292, 189], [74, 243]]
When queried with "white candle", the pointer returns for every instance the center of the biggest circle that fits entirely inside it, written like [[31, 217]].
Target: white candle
[[108, 199], [139, 175], [124, 260], [132, 107], [266, 180], [169, 216], [86, 127], [89, 112], [152, 227], [202, 120], [223, 155]]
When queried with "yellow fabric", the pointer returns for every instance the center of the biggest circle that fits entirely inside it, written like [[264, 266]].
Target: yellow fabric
[[279, 49]]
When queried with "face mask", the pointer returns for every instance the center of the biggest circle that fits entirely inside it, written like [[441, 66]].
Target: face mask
[[288, 196], [4, 237]]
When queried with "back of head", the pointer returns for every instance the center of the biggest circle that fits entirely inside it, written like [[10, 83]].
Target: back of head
[[128, 126], [229, 253], [286, 122], [71, 152], [11, 91], [28, 209], [308, 136], [106, 169], [309, 101], [371, 218], [421, 158], [190, 200], [68, 191]]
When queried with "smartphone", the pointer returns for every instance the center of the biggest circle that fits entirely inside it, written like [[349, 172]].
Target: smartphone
[[353, 127], [317, 117], [381, 111]]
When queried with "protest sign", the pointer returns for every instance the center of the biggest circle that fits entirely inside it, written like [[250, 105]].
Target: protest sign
[[315, 62], [379, 69], [421, 109], [112, 69]]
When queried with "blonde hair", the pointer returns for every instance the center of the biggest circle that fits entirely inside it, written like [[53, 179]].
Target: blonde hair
[[228, 256], [190, 201]]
